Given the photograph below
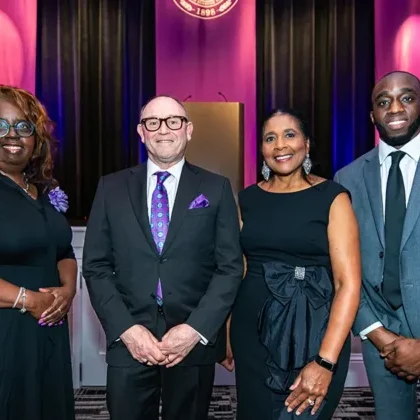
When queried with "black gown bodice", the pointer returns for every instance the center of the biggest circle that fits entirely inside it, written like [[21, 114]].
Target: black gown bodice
[[287, 227], [33, 233]]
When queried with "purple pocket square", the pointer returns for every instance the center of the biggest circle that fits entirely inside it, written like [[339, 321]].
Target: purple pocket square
[[199, 203]]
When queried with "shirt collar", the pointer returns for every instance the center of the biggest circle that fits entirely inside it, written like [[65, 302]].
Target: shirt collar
[[174, 170], [412, 148]]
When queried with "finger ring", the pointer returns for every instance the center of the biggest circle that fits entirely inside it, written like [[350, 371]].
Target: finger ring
[[311, 402]]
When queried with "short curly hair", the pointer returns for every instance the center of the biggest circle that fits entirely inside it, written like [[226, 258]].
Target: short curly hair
[[39, 170]]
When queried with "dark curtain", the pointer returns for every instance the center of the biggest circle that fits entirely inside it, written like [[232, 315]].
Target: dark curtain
[[95, 68], [317, 56]]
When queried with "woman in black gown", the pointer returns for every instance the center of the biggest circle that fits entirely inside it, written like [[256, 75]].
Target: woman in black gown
[[301, 291], [37, 268]]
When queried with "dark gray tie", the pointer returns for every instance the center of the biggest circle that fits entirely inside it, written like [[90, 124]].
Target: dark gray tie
[[395, 208]]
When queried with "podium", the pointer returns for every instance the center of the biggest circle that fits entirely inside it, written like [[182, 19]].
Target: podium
[[217, 142]]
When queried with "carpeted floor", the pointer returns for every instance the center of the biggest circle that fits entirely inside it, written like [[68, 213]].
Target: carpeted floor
[[357, 403]]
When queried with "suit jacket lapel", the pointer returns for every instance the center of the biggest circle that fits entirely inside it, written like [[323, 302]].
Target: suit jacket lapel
[[413, 208], [137, 190], [371, 172], [188, 189]]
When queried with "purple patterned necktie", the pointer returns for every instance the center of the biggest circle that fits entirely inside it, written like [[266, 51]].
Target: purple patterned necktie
[[159, 219]]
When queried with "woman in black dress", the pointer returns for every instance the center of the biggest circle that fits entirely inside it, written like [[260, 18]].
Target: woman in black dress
[[37, 268], [290, 326]]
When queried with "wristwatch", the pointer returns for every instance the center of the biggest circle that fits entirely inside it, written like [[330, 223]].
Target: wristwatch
[[325, 363]]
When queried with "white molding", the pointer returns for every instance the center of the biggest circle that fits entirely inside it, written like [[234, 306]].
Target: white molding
[[76, 310], [78, 229], [356, 376]]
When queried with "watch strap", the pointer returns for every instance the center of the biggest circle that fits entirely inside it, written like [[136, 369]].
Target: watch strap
[[326, 364]]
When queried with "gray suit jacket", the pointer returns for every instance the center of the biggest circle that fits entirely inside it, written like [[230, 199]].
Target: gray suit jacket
[[362, 179]]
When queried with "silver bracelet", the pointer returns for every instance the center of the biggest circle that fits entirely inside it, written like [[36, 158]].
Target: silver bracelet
[[23, 310], [18, 298]]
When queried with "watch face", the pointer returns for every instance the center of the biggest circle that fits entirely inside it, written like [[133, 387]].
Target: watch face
[[325, 363]]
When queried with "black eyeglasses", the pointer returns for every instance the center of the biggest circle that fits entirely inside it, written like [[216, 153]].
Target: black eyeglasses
[[22, 128], [154, 124]]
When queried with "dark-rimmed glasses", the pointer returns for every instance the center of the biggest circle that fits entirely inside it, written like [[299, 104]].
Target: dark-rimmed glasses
[[173, 123], [22, 128]]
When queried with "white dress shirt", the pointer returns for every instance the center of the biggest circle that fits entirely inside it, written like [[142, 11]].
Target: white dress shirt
[[408, 166], [171, 184]]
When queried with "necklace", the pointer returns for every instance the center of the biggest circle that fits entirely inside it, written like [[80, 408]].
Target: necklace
[[25, 180], [26, 187]]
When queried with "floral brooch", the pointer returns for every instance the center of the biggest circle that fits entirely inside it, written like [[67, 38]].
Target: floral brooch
[[58, 198]]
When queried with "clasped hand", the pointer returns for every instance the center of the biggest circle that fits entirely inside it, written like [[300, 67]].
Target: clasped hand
[[171, 350], [309, 389], [50, 305], [402, 357], [63, 298]]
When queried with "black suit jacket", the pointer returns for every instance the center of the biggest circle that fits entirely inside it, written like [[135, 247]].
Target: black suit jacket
[[200, 267]]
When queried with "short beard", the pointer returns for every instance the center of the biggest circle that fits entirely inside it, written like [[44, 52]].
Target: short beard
[[398, 141]]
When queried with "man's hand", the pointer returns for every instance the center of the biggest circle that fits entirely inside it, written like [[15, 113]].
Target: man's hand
[[402, 357], [177, 343], [142, 345], [380, 337]]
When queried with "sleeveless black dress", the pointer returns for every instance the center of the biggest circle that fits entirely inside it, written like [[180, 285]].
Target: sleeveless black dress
[[282, 308], [35, 362]]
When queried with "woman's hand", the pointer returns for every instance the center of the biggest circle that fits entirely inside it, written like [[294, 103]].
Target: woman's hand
[[228, 362], [36, 303], [309, 388], [61, 305]]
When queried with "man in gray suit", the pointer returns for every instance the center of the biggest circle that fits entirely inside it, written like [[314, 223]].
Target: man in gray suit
[[385, 188]]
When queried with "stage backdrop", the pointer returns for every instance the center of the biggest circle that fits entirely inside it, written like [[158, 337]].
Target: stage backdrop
[[317, 56], [206, 52], [95, 67], [18, 43]]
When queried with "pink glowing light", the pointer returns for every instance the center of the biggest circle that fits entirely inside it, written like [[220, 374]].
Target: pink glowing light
[[406, 46], [11, 52]]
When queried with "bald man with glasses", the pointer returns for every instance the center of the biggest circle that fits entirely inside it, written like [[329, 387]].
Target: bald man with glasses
[[163, 263]]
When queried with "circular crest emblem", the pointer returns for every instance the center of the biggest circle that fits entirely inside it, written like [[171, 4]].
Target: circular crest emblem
[[206, 9]]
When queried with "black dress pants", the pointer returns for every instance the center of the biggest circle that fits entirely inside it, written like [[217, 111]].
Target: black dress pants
[[134, 393]]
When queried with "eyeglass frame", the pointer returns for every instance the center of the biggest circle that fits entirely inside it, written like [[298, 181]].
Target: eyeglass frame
[[161, 120], [14, 127]]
